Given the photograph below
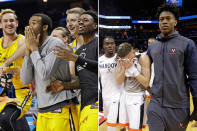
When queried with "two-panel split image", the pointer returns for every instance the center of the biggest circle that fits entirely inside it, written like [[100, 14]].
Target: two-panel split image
[[98, 65]]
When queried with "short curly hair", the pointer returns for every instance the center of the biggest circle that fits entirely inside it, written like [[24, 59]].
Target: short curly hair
[[46, 20], [93, 14], [170, 8]]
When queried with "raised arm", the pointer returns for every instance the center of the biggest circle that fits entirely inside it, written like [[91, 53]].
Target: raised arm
[[66, 54], [46, 66]]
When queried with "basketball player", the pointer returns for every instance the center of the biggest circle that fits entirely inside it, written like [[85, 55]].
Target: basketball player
[[86, 65], [64, 34], [134, 72], [110, 89], [175, 60], [73, 26], [41, 64], [11, 110]]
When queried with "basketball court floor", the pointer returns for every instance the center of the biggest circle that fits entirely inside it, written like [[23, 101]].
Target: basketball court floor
[[103, 126]]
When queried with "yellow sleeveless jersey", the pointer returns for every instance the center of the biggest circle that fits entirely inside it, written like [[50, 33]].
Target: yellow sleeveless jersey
[[22, 94], [74, 45], [6, 53]]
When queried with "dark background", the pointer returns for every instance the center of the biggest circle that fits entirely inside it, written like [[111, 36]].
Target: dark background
[[56, 9], [142, 10]]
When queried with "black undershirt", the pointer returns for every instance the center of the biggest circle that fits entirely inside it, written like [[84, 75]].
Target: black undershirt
[[86, 68]]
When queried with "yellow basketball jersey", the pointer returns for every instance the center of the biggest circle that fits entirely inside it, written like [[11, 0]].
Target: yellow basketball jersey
[[6, 53], [74, 45]]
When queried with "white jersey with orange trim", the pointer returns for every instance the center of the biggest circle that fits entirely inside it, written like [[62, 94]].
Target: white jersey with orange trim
[[110, 88], [132, 99], [131, 84], [111, 91]]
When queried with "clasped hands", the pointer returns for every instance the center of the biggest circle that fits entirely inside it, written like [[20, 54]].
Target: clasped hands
[[31, 40]]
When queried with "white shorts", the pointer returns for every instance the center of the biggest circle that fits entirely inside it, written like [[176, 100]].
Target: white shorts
[[131, 110], [110, 108]]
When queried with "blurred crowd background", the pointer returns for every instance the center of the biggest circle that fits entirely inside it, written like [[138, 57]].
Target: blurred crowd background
[[142, 10]]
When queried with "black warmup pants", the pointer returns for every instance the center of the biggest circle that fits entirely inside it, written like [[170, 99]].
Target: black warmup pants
[[9, 122]]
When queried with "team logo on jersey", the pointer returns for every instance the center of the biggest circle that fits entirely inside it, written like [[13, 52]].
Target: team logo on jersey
[[172, 51], [79, 68], [84, 49], [83, 55], [109, 70], [107, 65], [155, 52]]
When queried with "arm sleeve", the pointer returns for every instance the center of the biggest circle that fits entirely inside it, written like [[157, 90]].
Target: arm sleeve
[[191, 67], [45, 66], [27, 71]]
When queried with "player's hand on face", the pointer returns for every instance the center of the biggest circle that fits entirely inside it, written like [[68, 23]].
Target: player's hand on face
[[127, 63], [120, 69], [55, 87], [120, 64], [31, 40], [65, 53]]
